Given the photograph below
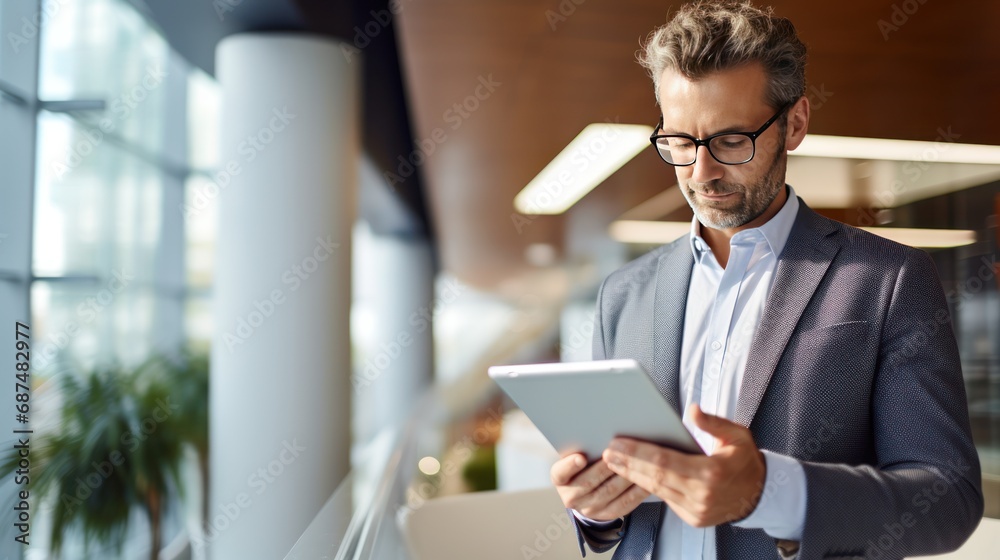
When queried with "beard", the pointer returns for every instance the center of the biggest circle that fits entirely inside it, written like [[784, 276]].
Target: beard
[[746, 203]]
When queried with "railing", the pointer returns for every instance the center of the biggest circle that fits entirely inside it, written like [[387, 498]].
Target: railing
[[363, 518]]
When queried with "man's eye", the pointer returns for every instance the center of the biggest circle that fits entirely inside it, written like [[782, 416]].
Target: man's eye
[[733, 143]]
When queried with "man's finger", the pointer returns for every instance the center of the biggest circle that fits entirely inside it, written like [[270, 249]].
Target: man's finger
[[626, 502], [667, 486], [565, 469], [726, 431], [600, 498], [661, 471], [583, 483], [650, 457]]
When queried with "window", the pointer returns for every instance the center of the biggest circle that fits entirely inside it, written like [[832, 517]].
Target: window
[[109, 225], [97, 162]]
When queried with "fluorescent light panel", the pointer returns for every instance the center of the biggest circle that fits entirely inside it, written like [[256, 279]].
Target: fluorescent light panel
[[649, 232], [652, 232], [597, 152], [926, 238], [816, 145], [603, 148]]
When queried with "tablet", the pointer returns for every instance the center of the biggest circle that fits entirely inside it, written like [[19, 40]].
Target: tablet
[[581, 406]]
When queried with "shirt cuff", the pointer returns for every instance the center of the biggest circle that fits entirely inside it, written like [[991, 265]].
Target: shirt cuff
[[613, 524], [601, 536], [781, 511]]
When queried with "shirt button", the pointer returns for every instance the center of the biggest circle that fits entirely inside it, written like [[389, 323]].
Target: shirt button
[[716, 345]]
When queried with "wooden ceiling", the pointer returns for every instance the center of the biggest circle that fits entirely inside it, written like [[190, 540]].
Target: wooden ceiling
[[560, 65]]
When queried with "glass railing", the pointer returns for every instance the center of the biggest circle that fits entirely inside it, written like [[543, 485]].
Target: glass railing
[[364, 518], [337, 527], [452, 428]]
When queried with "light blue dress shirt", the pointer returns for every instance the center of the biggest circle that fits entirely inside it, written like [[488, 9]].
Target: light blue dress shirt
[[724, 307]]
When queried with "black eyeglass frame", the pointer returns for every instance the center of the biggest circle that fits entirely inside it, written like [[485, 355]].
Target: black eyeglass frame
[[698, 142]]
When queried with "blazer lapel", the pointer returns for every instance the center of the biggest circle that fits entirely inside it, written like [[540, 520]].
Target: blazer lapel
[[673, 274], [801, 267]]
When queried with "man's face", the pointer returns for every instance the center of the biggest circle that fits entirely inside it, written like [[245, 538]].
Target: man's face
[[725, 196]]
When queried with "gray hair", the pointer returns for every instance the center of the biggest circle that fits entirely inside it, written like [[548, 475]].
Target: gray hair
[[705, 37]]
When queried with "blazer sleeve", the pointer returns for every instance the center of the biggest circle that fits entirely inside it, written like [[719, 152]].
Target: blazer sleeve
[[923, 496]]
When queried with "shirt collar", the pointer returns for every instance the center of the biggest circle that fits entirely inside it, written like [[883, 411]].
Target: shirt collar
[[775, 231]]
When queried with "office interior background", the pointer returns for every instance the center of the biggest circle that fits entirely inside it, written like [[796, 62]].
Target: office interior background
[[351, 209]]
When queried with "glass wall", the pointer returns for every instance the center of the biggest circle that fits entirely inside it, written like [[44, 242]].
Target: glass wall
[[107, 135], [18, 64], [971, 278], [126, 128]]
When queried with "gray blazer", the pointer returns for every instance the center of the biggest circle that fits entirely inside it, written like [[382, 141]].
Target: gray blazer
[[854, 370]]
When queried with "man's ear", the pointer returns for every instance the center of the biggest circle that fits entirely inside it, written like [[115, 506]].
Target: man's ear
[[798, 123]]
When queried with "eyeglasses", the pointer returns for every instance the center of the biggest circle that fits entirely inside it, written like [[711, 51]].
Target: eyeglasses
[[729, 148]]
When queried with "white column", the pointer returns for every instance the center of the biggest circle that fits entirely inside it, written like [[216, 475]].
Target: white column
[[280, 388], [402, 349]]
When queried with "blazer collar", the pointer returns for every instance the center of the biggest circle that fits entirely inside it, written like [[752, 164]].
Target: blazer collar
[[801, 268], [673, 274]]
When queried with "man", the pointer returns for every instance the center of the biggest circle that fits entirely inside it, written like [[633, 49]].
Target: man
[[814, 362]]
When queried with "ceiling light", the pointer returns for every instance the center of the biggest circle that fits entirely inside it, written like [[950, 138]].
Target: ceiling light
[[656, 233], [896, 150], [597, 152], [642, 231], [926, 238]]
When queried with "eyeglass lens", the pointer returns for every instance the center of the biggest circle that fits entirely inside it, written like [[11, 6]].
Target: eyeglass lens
[[728, 148]]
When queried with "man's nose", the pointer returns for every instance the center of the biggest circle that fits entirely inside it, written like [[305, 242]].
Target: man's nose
[[705, 167]]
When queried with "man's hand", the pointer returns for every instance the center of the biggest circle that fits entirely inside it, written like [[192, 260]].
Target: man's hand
[[594, 491], [703, 490]]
